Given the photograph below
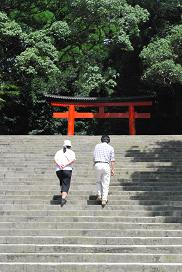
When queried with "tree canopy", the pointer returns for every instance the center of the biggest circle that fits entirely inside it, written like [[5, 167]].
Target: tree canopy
[[83, 48]]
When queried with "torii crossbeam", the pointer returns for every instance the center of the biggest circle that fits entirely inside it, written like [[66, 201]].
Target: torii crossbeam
[[71, 103]]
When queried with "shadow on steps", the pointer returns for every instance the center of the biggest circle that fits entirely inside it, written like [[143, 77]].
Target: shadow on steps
[[161, 181]]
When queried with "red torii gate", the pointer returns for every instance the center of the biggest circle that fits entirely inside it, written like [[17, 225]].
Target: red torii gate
[[72, 102]]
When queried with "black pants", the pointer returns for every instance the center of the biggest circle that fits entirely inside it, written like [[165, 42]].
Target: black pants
[[64, 177]]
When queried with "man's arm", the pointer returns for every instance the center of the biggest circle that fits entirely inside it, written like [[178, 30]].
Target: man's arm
[[112, 162], [112, 168]]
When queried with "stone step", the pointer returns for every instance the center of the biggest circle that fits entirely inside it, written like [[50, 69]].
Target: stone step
[[88, 240], [93, 232], [79, 164], [144, 141], [91, 212], [172, 200], [128, 149], [41, 218], [94, 210], [90, 258], [90, 189], [91, 183], [43, 161], [88, 144], [84, 201], [122, 160], [122, 163], [90, 248], [85, 168], [83, 165], [131, 194], [140, 197], [139, 230], [123, 204], [132, 176], [85, 225], [94, 267]]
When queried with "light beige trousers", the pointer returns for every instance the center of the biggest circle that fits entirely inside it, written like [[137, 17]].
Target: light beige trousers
[[103, 176]]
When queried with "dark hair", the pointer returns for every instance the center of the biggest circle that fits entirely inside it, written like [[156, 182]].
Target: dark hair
[[105, 139], [65, 147]]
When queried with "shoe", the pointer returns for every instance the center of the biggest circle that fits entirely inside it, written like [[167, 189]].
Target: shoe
[[98, 199], [63, 202], [104, 202], [56, 197]]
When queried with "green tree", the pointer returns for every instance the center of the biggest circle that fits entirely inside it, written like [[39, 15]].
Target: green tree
[[162, 59], [65, 47]]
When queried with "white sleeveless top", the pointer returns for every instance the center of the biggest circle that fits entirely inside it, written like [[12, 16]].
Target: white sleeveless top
[[64, 158]]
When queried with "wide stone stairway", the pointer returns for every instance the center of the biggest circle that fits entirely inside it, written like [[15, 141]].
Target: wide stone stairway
[[139, 230]]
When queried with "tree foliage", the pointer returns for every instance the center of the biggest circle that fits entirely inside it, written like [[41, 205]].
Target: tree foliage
[[85, 48], [163, 59]]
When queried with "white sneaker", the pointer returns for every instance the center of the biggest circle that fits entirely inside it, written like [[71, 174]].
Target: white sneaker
[[104, 202]]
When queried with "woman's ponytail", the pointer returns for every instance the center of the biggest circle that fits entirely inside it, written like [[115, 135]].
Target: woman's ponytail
[[64, 149]]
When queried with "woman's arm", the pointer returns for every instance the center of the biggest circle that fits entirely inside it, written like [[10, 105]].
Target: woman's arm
[[69, 163]]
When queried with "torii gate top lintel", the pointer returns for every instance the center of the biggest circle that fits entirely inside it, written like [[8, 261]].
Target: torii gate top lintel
[[100, 103]]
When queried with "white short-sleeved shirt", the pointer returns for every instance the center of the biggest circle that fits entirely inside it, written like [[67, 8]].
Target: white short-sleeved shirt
[[64, 158], [104, 152]]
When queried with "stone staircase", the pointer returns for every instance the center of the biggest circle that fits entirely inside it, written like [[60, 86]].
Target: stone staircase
[[139, 230]]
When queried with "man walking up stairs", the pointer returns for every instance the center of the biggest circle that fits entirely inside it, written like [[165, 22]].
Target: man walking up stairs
[[104, 162], [139, 230]]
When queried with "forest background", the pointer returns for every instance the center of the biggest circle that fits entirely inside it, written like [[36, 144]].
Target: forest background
[[95, 48]]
